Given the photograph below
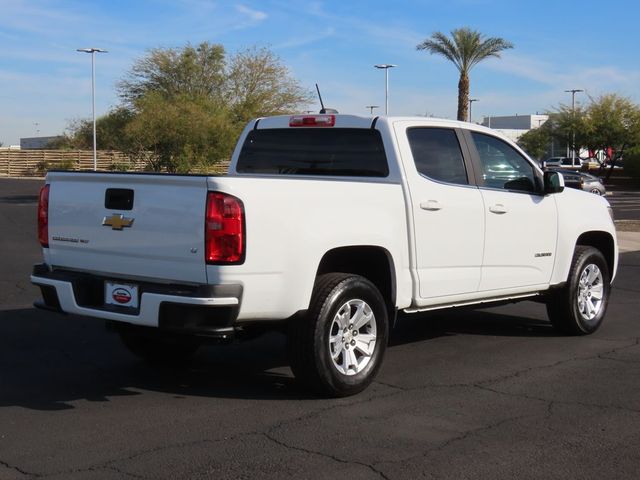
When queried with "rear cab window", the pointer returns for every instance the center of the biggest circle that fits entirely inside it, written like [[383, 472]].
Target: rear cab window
[[353, 152]]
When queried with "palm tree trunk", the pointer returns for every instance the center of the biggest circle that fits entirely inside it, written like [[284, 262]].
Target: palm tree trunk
[[463, 97]]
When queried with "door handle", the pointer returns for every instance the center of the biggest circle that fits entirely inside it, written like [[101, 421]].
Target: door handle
[[498, 208], [431, 205]]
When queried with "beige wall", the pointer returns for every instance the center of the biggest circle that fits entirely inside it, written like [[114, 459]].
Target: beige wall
[[28, 163]]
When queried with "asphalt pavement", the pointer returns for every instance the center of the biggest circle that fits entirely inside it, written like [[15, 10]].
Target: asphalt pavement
[[625, 204], [478, 394]]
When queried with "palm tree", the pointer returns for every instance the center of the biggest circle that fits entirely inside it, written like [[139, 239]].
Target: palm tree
[[466, 48]]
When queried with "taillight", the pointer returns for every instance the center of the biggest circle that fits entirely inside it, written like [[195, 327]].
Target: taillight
[[224, 229], [43, 216], [312, 121]]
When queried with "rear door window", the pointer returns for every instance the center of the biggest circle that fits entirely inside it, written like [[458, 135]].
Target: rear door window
[[356, 152], [437, 154]]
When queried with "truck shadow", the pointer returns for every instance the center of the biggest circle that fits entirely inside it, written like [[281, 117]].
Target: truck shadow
[[55, 362], [423, 326], [50, 361]]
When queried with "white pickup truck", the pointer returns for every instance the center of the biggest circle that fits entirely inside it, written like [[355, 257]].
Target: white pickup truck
[[329, 225]]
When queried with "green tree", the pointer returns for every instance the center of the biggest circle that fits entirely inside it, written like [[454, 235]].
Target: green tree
[[609, 124], [465, 49], [110, 132], [567, 123], [258, 84], [190, 104], [612, 125], [536, 141], [632, 162], [181, 133], [169, 72]]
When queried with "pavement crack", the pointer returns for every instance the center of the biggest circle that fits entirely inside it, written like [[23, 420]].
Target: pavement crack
[[459, 438], [324, 455], [316, 413], [476, 431], [524, 371], [15, 468], [120, 472], [558, 402], [391, 385], [550, 410], [620, 360], [111, 464]]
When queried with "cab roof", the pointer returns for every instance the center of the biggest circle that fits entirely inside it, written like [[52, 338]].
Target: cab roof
[[364, 121]]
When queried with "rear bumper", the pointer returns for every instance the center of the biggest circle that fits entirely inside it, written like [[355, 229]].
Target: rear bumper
[[197, 309]]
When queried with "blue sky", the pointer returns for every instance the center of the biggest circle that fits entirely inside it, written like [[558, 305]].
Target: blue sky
[[558, 45]]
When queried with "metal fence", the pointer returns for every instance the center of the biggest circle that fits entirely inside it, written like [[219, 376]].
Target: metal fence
[[35, 163]]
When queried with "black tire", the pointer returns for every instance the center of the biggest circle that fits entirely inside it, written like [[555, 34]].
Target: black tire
[[309, 345], [565, 307], [159, 348]]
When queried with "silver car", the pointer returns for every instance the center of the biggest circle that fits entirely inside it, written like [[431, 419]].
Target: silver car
[[582, 181]]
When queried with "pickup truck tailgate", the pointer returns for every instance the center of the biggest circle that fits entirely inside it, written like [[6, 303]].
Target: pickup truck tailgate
[[165, 238]]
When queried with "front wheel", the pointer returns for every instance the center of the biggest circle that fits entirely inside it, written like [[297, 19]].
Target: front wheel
[[338, 347], [579, 307]]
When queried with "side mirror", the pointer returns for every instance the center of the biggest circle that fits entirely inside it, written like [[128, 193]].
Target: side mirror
[[553, 182]]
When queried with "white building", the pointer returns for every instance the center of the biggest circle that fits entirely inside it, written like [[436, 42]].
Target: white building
[[514, 126]]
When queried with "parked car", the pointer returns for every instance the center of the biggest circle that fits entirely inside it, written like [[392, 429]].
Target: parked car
[[562, 162], [582, 181]]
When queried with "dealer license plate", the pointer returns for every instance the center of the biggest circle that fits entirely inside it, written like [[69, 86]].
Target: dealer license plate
[[121, 294]]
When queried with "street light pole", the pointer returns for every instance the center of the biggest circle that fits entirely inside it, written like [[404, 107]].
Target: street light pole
[[386, 67], [93, 52], [471, 100], [573, 115], [371, 107]]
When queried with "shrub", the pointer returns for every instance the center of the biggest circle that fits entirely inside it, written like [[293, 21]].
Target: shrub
[[64, 165], [42, 167], [119, 167], [632, 162]]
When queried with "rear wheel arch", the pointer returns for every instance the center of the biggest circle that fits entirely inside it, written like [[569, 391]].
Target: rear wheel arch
[[375, 263]]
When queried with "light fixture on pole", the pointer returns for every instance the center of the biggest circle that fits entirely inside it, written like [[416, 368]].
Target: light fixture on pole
[[573, 114], [93, 52], [386, 67], [371, 107], [471, 100], [37, 125]]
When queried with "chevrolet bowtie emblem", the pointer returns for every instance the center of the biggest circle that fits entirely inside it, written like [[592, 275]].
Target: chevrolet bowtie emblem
[[117, 221]]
